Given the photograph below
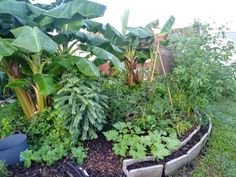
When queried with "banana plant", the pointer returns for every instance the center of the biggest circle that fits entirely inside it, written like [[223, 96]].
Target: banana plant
[[72, 40], [138, 44], [90, 43], [130, 45], [28, 49]]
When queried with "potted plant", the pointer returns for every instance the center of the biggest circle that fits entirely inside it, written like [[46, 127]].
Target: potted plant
[[11, 148]]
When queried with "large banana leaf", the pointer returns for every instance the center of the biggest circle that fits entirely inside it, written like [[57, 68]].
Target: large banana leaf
[[91, 38], [113, 35], [54, 69], [140, 32], [35, 10], [16, 8], [168, 25], [87, 67], [105, 55], [124, 21], [88, 39], [6, 49], [85, 8], [33, 40], [45, 84], [20, 9], [92, 25]]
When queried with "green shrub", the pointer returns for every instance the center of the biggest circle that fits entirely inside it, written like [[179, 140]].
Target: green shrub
[[128, 103], [3, 170], [200, 74], [81, 104]]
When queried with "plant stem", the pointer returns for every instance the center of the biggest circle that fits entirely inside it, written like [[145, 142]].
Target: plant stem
[[41, 101], [164, 71], [153, 66]]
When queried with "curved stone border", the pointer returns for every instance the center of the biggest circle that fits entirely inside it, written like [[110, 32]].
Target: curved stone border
[[171, 166], [186, 140]]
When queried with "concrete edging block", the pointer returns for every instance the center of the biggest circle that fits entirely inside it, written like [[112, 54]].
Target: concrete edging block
[[173, 165], [210, 128], [204, 139], [128, 162], [194, 151], [186, 140], [152, 171]]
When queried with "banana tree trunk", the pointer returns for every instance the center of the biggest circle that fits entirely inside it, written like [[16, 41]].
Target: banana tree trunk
[[24, 98], [41, 100], [25, 101]]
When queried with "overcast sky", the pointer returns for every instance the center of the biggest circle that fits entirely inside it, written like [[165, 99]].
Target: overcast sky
[[185, 11]]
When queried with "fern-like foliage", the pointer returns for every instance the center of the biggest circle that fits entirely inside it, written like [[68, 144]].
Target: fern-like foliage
[[81, 104]]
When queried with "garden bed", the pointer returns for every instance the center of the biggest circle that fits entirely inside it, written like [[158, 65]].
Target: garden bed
[[101, 161], [151, 92]]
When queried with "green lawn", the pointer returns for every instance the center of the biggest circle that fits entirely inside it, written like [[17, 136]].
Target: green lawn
[[220, 158]]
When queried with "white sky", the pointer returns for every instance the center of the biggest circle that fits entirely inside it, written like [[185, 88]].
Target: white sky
[[185, 11]]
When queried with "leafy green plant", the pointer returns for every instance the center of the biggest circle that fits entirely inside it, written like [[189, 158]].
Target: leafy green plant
[[50, 140], [50, 155], [11, 119], [5, 127], [128, 103], [3, 170], [201, 73], [182, 126], [79, 154], [81, 104], [131, 140]]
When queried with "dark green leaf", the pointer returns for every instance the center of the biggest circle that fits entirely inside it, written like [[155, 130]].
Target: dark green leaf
[[92, 25], [33, 40], [87, 67], [6, 48], [141, 33], [105, 55], [85, 8], [45, 84], [15, 8], [168, 25]]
